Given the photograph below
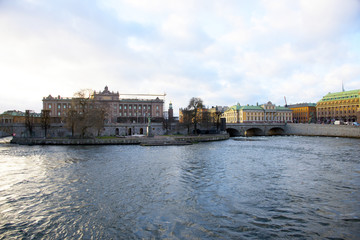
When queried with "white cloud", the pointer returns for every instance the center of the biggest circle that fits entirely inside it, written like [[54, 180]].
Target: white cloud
[[225, 52]]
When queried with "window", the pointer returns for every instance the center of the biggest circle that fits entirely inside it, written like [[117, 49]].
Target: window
[[64, 106], [120, 107], [135, 107], [125, 107], [130, 107], [120, 114], [125, 114], [50, 106], [59, 106], [139, 107], [59, 114]]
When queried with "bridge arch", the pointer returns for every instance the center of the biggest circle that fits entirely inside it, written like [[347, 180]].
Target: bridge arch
[[254, 132], [233, 132], [276, 131]]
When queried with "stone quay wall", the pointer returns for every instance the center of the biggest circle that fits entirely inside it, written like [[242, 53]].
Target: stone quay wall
[[326, 130], [157, 140]]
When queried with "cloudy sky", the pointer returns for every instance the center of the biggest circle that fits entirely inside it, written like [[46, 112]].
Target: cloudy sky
[[224, 52]]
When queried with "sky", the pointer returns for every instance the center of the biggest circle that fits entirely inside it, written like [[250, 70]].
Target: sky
[[224, 52]]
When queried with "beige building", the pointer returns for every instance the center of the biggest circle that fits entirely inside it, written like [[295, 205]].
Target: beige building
[[117, 109], [257, 114]]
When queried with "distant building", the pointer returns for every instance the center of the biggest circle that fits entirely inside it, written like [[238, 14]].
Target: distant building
[[257, 114], [342, 106], [118, 109], [303, 112], [14, 116]]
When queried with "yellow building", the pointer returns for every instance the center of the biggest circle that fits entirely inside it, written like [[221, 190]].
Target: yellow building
[[342, 106], [303, 112], [257, 114], [232, 114]]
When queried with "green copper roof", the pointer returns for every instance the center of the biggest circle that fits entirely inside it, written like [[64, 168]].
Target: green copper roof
[[341, 95], [235, 107], [15, 113], [282, 109], [250, 107]]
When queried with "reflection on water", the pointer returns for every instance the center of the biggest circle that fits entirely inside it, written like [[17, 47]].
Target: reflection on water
[[270, 188]]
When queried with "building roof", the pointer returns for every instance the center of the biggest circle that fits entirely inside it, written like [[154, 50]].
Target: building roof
[[298, 105], [282, 108], [15, 113], [234, 108], [251, 107], [341, 95]]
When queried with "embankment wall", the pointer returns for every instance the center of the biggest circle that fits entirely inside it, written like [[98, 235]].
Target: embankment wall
[[327, 130]]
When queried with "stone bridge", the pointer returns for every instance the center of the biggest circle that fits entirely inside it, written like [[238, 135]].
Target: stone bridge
[[255, 129]]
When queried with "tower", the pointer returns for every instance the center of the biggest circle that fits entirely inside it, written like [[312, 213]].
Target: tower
[[171, 112]]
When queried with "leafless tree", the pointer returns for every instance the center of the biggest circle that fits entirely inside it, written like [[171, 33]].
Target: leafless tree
[[29, 122], [186, 120], [195, 106], [45, 120], [85, 114], [71, 119]]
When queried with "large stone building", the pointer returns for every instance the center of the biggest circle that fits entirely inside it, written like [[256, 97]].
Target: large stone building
[[118, 110], [303, 112], [257, 114], [342, 106]]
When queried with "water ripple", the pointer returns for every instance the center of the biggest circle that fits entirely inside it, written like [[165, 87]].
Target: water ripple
[[269, 188]]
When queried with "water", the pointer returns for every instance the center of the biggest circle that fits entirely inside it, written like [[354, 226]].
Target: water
[[268, 188]]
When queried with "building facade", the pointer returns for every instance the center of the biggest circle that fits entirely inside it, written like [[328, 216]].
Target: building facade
[[13, 116], [118, 110], [343, 106], [257, 114], [303, 112]]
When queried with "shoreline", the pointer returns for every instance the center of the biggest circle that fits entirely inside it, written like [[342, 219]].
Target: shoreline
[[142, 141]]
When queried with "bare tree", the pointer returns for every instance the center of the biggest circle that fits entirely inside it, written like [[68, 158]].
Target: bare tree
[[195, 106], [45, 121], [186, 119], [217, 116], [29, 122], [98, 115], [85, 114], [71, 119]]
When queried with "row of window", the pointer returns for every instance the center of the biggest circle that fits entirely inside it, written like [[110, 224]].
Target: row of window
[[130, 107], [336, 112], [350, 107], [121, 114], [135, 107], [136, 115], [338, 102]]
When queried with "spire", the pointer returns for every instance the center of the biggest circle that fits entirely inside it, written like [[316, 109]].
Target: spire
[[342, 83]]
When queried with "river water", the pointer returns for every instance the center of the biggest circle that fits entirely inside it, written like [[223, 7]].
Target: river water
[[255, 188]]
